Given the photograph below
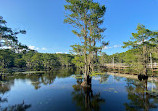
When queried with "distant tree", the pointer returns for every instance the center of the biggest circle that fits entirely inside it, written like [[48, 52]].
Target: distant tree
[[27, 57], [132, 58], [20, 63], [49, 61], [6, 59], [37, 62], [104, 58], [79, 56]]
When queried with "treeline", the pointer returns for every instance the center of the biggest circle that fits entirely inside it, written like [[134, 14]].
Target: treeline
[[131, 58], [32, 60]]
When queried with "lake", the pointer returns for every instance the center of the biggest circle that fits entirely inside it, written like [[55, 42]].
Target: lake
[[61, 91]]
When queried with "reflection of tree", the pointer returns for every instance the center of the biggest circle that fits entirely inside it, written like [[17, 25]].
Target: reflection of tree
[[104, 78], [117, 78], [85, 99], [38, 79], [5, 86], [17, 107], [49, 77], [64, 72], [35, 81], [3, 100], [139, 97]]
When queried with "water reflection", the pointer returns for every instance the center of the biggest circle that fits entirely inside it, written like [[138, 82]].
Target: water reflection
[[85, 99], [117, 78], [103, 78], [58, 90], [17, 107], [44, 79], [36, 81], [139, 97], [5, 86]]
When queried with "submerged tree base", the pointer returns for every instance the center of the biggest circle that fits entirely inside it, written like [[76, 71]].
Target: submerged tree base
[[86, 82]]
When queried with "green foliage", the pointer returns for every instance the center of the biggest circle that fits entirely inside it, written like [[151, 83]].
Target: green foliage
[[20, 63], [78, 61], [6, 58], [33, 60], [143, 41], [64, 59], [104, 58], [143, 37], [37, 61], [86, 16]]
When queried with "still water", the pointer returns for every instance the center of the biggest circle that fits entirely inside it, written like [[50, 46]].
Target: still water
[[61, 91]]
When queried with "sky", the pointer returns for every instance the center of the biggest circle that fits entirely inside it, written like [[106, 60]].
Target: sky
[[47, 33]]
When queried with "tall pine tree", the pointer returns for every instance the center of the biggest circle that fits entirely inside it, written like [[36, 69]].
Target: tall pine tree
[[86, 17]]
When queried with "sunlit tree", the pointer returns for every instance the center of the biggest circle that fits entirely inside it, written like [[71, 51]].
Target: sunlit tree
[[86, 16], [142, 40]]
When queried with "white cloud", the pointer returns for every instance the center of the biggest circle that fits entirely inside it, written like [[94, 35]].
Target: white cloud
[[6, 47], [36, 48], [106, 47], [43, 48], [66, 52], [61, 52], [111, 47], [58, 52], [116, 46], [31, 47]]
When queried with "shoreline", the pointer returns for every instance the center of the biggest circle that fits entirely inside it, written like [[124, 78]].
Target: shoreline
[[132, 76]]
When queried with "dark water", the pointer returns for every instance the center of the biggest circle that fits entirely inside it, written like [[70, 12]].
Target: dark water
[[61, 91]]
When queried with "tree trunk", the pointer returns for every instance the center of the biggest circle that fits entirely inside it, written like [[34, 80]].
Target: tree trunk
[[145, 60]]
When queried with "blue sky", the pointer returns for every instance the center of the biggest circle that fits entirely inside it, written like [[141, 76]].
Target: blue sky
[[46, 32]]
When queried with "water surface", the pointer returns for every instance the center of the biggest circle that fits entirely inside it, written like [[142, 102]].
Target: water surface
[[61, 91]]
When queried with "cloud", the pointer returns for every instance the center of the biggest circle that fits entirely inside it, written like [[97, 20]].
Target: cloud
[[106, 47], [43, 48], [31, 47], [111, 47], [6, 47], [36, 48], [58, 52], [61, 52], [116, 46]]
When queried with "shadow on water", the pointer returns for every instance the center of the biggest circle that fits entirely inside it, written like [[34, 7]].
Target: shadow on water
[[139, 97], [85, 99]]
